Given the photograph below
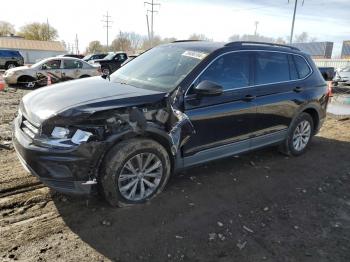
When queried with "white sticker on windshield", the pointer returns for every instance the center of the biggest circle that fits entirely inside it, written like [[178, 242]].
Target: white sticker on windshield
[[195, 54]]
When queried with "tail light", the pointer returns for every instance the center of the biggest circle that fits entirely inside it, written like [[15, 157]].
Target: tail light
[[99, 70], [329, 91]]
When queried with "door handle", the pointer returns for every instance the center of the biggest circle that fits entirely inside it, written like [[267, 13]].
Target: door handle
[[249, 98], [297, 89]]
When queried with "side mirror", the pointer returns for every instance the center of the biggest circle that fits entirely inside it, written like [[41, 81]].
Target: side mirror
[[208, 88]]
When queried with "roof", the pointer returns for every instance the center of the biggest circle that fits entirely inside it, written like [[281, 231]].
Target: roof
[[209, 47], [23, 44]]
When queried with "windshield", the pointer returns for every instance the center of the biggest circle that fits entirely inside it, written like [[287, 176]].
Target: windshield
[[39, 63], [161, 68], [87, 57], [109, 56]]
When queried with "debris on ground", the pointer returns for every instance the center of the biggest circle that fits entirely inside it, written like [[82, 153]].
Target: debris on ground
[[248, 229], [241, 245]]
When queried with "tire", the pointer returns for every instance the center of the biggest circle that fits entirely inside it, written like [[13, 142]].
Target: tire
[[27, 81], [10, 65], [117, 176], [290, 145], [105, 71]]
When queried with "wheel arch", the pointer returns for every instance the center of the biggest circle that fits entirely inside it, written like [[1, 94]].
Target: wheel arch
[[23, 77], [315, 116], [313, 110], [152, 133]]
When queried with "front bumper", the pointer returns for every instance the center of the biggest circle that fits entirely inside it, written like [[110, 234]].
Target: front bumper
[[10, 79], [66, 171]]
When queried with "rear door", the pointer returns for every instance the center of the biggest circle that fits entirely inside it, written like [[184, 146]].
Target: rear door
[[71, 69], [226, 118], [279, 92]]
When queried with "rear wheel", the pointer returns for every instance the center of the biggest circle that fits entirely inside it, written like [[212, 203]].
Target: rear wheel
[[299, 135], [135, 171]]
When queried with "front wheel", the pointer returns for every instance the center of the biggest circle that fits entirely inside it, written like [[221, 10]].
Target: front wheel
[[134, 171], [299, 135]]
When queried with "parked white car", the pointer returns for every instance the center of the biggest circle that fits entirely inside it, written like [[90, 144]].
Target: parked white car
[[58, 68]]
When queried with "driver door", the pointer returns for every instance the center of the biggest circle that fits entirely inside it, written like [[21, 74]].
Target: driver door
[[52, 68], [226, 118], [72, 69]]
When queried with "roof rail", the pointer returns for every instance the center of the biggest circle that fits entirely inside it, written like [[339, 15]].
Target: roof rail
[[241, 43], [185, 40]]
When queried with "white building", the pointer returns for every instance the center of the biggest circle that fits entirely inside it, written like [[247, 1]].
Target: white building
[[32, 50]]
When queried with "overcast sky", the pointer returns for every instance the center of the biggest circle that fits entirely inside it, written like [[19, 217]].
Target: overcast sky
[[217, 19]]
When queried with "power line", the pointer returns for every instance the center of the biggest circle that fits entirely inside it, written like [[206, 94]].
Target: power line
[[107, 25], [151, 4]]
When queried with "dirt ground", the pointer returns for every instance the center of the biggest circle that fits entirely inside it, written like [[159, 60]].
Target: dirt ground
[[260, 206]]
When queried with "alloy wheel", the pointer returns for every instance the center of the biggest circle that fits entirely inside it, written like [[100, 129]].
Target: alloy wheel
[[301, 135], [140, 176]]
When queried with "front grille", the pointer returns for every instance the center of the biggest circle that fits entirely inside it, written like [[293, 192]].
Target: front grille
[[28, 128]]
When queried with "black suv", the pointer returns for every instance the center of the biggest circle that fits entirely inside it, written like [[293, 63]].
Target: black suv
[[111, 62], [10, 59], [175, 106]]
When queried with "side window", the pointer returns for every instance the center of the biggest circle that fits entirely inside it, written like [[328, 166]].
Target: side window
[[271, 67], [52, 64], [230, 71], [120, 58], [72, 64], [302, 67]]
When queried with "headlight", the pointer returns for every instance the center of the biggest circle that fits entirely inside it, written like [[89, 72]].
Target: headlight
[[80, 136], [62, 137], [60, 132]]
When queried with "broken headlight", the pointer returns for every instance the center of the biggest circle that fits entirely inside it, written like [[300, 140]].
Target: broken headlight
[[62, 137], [60, 132]]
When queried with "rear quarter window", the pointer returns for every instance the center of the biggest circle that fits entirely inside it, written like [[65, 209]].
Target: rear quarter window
[[271, 67], [302, 67]]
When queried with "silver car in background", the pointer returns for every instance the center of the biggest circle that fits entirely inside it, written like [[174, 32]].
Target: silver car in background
[[55, 69], [342, 76]]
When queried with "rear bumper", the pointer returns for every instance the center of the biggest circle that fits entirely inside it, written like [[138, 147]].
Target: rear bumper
[[66, 171]]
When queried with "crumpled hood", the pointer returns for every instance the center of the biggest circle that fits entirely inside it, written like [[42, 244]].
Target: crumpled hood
[[85, 95]]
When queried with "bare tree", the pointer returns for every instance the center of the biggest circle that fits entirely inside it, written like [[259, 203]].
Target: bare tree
[[38, 31], [302, 38], [147, 44], [6, 29], [95, 47], [121, 42], [195, 36]]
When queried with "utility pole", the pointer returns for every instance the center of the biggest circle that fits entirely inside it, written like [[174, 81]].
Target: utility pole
[[76, 44], [149, 35], [292, 30], [256, 28], [48, 29], [107, 25], [152, 11]]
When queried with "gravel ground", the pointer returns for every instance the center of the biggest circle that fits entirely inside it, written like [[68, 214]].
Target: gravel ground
[[261, 206]]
